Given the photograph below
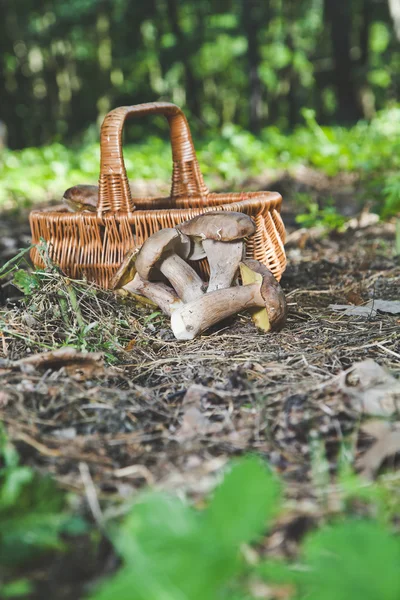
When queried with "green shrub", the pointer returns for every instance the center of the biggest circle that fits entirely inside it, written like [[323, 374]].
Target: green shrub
[[371, 150], [349, 560], [172, 551], [32, 515]]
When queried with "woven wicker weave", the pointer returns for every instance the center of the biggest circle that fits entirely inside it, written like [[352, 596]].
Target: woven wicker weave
[[93, 245]]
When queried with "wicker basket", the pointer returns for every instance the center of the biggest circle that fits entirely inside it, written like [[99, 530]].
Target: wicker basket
[[93, 245]]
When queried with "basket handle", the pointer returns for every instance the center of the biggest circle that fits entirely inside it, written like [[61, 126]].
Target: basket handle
[[114, 190]]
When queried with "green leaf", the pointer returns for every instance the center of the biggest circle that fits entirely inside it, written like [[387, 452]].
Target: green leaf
[[10, 265], [357, 560], [245, 502], [31, 510], [26, 282], [353, 559], [13, 482], [156, 522], [16, 589], [22, 538], [173, 552]]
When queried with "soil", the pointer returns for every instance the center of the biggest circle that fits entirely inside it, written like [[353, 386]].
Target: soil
[[151, 410]]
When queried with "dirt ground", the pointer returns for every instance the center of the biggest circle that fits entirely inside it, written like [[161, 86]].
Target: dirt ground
[[146, 409]]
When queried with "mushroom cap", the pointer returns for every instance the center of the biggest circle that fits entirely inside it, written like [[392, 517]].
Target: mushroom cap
[[252, 271], [159, 245], [126, 271], [82, 197], [222, 226]]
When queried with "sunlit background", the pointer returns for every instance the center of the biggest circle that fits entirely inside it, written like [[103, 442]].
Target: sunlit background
[[265, 84], [249, 62]]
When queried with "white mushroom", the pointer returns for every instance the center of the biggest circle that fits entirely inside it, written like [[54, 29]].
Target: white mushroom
[[163, 252], [159, 293], [128, 279], [273, 313], [190, 320], [219, 236]]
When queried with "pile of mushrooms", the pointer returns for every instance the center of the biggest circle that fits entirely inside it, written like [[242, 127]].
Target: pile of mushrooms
[[160, 272]]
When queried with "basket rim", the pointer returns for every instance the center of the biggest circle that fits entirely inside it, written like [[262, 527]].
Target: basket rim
[[232, 198]]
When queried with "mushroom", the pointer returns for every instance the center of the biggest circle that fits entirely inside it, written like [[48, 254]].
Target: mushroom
[[163, 252], [160, 294], [219, 236], [128, 279], [82, 197], [263, 293], [272, 316]]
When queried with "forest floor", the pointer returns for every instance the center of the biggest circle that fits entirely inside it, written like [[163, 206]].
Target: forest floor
[[144, 409]]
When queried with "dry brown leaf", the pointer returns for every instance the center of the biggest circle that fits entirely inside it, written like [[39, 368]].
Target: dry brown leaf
[[194, 395], [387, 444], [4, 398], [372, 389], [370, 309], [80, 365], [194, 423], [197, 477], [376, 428], [130, 345]]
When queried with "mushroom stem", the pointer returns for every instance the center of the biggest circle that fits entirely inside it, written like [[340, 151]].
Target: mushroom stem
[[160, 294], [185, 281], [224, 259], [191, 319]]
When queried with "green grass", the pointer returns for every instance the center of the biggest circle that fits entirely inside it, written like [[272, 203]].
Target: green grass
[[372, 150]]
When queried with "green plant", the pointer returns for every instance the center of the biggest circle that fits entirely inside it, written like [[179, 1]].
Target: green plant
[[70, 302], [397, 237], [171, 551], [369, 150], [391, 195], [328, 216], [12, 265], [355, 559], [32, 515]]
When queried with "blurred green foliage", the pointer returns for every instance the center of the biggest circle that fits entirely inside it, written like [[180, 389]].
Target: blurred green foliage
[[351, 558], [371, 150], [65, 63], [172, 551], [32, 516], [169, 549]]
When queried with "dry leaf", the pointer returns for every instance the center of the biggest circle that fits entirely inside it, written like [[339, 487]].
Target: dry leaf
[[370, 309], [376, 428], [77, 364], [387, 306], [366, 219], [194, 423], [4, 398], [387, 444], [372, 389], [130, 345], [354, 298], [195, 394]]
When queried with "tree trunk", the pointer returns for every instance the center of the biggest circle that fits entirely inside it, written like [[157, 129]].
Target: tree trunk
[[192, 88], [394, 7], [251, 22], [338, 16], [364, 33]]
